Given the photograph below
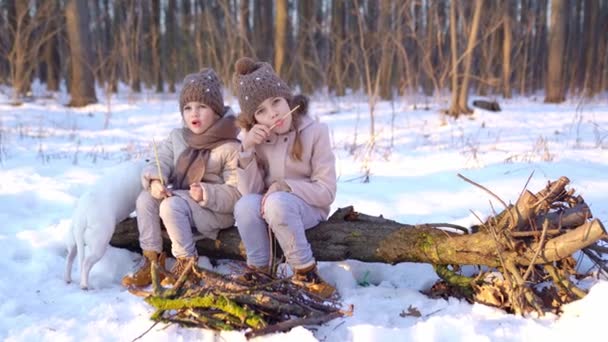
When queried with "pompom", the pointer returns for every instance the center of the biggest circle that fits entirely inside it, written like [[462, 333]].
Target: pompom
[[245, 65]]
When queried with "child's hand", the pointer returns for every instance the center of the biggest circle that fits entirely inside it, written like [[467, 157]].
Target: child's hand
[[159, 191], [196, 192], [274, 187], [256, 135]]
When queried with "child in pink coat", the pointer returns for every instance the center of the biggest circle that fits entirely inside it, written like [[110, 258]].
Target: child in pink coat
[[286, 173]]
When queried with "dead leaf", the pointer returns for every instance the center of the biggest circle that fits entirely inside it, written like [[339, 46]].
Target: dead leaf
[[411, 311]]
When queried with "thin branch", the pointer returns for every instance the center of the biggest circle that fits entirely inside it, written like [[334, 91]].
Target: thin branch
[[492, 194], [541, 245]]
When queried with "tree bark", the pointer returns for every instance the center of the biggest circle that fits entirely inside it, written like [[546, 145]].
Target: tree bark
[[506, 51], [468, 59], [280, 35], [349, 235], [262, 29], [557, 36], [18, 55], [82, 85], [338, 39], [170, 44], [592, 8], [155, 46], [244, 28], [454, 110], [384, 75]]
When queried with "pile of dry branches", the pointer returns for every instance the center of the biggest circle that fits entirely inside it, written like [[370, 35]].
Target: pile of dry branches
[[533, 240], [256, 302]]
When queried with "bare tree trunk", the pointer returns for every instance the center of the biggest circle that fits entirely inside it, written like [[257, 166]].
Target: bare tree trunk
[[262, 29], [82, 85], [506, 51], [18, 55], [524, 59], [155, 45], [170, 44], [112, 41], [454, 110], [540, 56], [472, 41], [134, 35], [52, 64], [244, 28], [591, 72], [50, 51], [280, 35], [603, 50], [384, 75], [305, 45], [573, 49], [336, 81], [557, 36]]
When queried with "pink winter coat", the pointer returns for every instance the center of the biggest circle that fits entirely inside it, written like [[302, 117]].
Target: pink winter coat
[[313, 179]]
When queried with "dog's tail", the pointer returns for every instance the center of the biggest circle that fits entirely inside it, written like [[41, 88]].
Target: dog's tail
[[75, 243]]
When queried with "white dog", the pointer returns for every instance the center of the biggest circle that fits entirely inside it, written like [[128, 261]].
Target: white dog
[[110, 200]]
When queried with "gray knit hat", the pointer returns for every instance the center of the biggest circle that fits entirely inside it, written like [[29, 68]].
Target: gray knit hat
[[203, 86], [254, 82]]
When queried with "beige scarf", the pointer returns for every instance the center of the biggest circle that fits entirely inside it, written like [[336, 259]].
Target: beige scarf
[[190, 167]]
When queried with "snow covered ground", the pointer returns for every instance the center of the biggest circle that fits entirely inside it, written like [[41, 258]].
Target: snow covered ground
[[49, 154]]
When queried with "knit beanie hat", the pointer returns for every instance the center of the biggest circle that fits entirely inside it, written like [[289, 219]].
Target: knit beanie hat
[[203, 86], [255, 82]]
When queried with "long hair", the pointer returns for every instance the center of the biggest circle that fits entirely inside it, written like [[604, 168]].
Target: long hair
[[247, 120]]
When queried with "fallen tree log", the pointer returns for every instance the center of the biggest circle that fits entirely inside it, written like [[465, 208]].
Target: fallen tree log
[[350, 235], [528, 242]]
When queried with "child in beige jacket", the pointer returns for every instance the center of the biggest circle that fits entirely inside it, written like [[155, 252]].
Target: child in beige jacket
[[286, 173], [199, 162]]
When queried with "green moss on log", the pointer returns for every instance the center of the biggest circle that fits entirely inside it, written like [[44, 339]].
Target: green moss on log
[[210, 301]]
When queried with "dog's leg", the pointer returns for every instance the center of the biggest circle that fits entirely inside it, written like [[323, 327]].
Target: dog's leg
[[70, 260], [88, 263], [70, 241], [94, 252]]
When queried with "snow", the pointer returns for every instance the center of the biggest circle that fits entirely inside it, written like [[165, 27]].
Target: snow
[[50, 154]]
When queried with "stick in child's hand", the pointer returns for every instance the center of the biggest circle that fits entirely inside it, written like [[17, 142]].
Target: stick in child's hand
[[160, 174], [283, 117]]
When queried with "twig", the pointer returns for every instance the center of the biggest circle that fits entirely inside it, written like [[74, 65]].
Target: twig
[[553, 190], [498, 249], [541, 245], [528, 295], [535, 233], [283, 117], [160, 174], [145, 332], [286, 325], [562, 282], [443, 225], [599, 249], [491, 193], [599, 261], [181, 280], [157, 289], [525, 186]]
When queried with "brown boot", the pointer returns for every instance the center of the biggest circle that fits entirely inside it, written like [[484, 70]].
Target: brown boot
[[310, 280], [142, 277], [178, 268]]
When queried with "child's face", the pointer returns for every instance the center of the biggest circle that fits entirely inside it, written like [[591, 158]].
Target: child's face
[[272, 112], [199, 117]]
